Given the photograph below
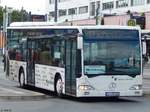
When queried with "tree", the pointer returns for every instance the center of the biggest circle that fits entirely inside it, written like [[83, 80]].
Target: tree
[[15, 16], [1, 16]]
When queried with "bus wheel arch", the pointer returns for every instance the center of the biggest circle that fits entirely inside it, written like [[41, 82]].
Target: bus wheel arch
[[58, 85], [21, 77]]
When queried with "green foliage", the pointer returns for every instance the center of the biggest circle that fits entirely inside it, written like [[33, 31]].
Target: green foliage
[[17, 16], [24, 15], [14, 16], [1, 15]]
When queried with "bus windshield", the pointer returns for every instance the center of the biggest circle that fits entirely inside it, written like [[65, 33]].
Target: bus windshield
[[113, 55]]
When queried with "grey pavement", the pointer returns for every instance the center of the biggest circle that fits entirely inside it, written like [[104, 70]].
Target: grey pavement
[[146, 78], [146, 73], [146, 70]]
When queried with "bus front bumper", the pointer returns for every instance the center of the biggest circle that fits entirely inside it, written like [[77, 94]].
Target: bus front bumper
[[109, 93]]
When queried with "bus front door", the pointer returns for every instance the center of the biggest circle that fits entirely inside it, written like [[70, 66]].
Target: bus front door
[[30, 63], [70, 62]]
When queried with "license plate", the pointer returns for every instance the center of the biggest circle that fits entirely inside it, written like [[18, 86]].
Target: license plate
[[112, 94]]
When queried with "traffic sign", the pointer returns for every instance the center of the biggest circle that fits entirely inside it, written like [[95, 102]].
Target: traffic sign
[[132, 22]]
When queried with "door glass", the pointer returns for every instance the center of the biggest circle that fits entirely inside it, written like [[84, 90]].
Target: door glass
[[71, 47], [68, 52], [73, 66], [30, 62]]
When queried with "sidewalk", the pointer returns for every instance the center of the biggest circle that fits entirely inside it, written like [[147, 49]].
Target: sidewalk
[[146, 70], [146, 79], [146, 73]]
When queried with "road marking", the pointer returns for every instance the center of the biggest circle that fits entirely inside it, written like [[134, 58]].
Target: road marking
[[10, 90], [146, 83], [146, 87]]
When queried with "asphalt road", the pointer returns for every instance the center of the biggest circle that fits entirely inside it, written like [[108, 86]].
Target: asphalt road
[[133, 104]]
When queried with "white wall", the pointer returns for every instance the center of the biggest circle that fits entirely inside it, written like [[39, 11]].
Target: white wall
[[78, 3]]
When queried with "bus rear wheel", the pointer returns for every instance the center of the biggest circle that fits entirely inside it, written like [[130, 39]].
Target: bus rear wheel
[[59, 87], [21, 79]]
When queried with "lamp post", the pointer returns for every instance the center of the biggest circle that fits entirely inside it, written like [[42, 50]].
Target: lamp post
[[6, 22], [56, 10], [6, 17], [97, 15], [72, 13]]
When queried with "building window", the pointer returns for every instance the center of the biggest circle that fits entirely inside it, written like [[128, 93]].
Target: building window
[[122, 3], [62, 12], [148, 1], [52, 14], [108, 5], [92, 9], [51, 1], [62, 0], [83, 9], [137, 2], [72, 11]]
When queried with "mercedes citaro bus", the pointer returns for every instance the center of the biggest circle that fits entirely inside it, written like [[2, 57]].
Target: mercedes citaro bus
[[80, 61]]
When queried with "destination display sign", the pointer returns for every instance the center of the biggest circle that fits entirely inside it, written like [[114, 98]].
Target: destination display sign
[[110, 34]]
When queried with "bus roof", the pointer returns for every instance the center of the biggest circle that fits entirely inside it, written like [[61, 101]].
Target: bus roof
[[26, 24], [50, 25]]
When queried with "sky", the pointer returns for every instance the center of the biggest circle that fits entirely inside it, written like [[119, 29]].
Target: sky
[[35, 6]]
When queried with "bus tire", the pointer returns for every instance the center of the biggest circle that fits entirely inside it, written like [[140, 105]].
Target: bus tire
[[21, 79], [58, 86]]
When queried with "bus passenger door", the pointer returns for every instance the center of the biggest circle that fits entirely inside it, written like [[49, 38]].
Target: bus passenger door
[[30, 63], [70, 62]]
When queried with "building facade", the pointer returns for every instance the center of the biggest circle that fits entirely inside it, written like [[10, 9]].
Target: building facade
[[88, 10]]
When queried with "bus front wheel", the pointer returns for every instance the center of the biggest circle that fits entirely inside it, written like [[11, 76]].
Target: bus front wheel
[[59, 87], [21, 79]]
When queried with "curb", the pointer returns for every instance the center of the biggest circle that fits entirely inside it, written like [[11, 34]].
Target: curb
[[146, 94], [24, 95], [36, 97], [148, 78]]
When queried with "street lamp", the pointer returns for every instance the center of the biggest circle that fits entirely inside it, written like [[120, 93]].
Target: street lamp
[[6, 22], [6, 17], [56, 10], [97, 15]]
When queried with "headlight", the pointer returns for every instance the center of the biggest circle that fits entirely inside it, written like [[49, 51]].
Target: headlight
[[136, 87], [85, 87]]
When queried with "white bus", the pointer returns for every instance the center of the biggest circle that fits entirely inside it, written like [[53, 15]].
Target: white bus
[[81, 61]]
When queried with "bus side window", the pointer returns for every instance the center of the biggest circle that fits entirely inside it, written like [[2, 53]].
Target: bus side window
[[45, 57], [44, 52], [58, 54], [12, 53]]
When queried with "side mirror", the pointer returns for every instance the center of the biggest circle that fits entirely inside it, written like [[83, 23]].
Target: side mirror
[[80, 42]]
